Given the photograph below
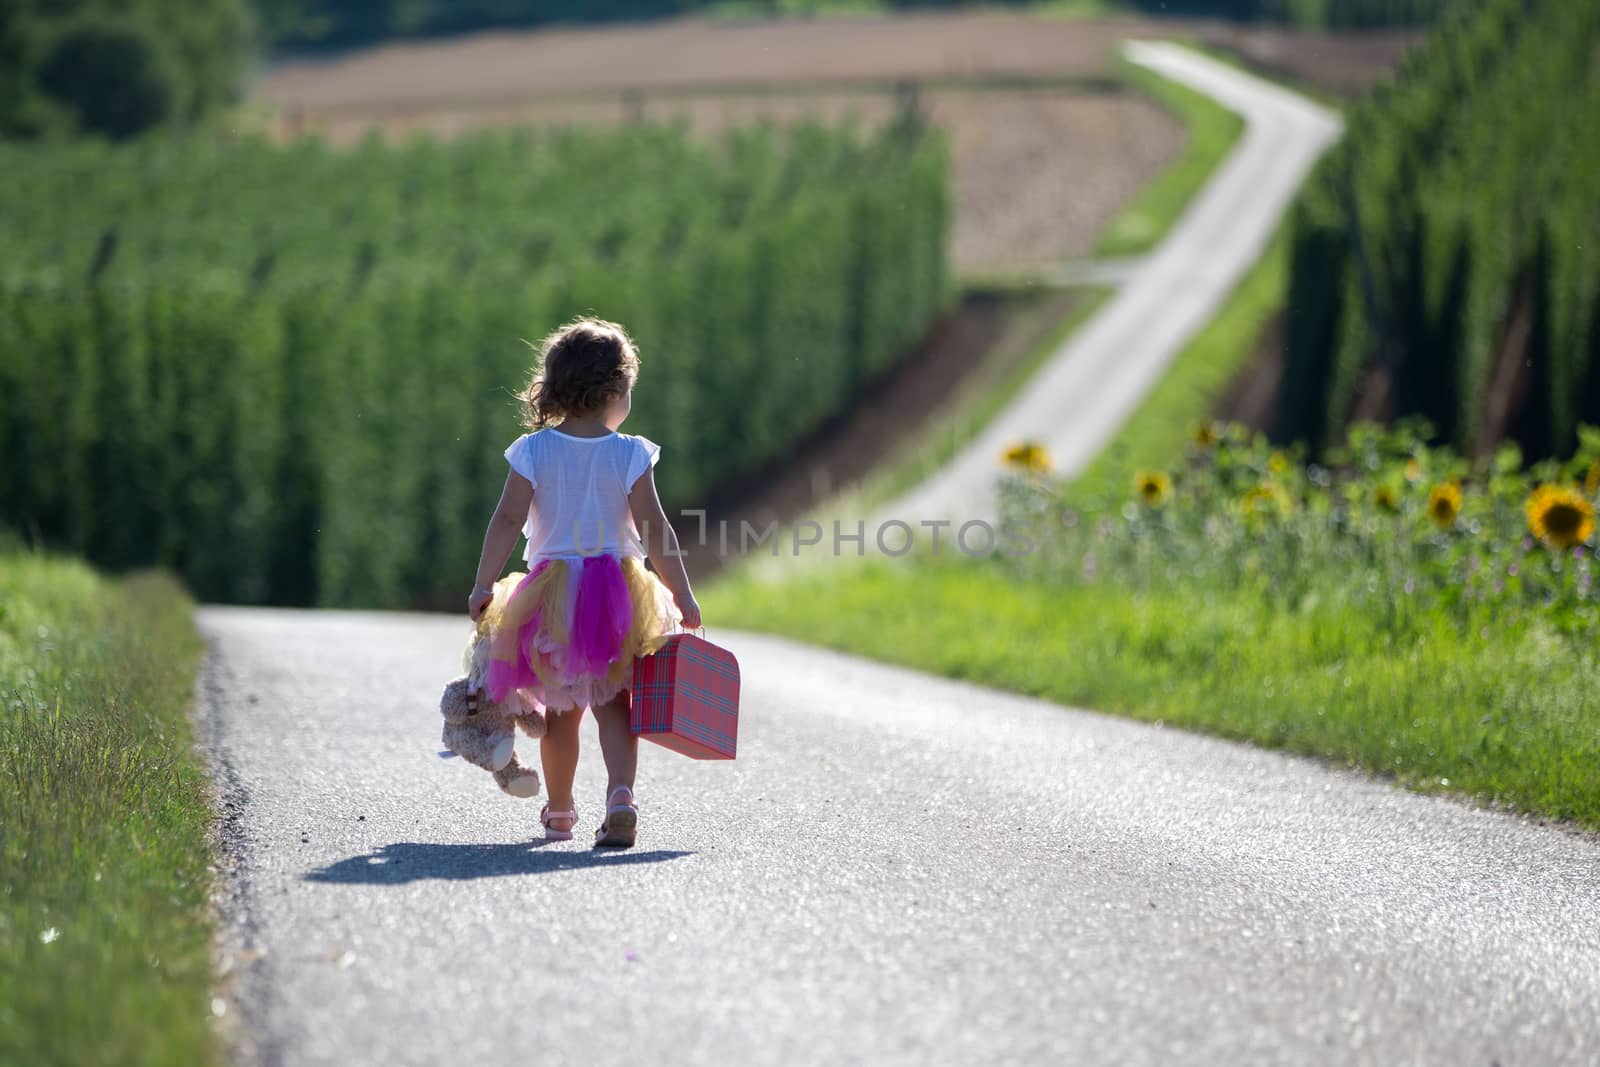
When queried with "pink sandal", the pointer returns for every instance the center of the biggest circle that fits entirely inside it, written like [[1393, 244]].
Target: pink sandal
[[550, 832], [621, 823]]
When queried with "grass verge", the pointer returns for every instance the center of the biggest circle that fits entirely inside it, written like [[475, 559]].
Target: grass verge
[[1212, 132], [1506, 715], [104, 852]]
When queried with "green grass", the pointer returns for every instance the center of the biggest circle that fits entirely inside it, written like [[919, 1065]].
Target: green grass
[[104, 853], [1155, 436], [1510, 715], [1211, 132]]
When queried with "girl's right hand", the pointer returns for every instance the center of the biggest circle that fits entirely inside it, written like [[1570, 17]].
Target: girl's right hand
[[479, 600], [689, 608]]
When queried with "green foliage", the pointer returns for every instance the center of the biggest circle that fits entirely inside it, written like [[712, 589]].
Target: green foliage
[[287, 372], [1394, 527], [105, 862], [1507, 712], [111, 76], [1457, 201], [118, 67], [1395, 610]]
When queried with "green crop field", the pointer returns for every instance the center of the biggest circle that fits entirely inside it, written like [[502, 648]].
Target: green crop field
[[282, 371], [1451, 237]]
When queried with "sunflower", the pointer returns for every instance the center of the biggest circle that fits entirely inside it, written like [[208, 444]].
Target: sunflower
[[1444, 504], [1153, 487], [1029, 456], [1384, 498], [1277, 463], [1205, 436], [1264, 500], [1560, 517]]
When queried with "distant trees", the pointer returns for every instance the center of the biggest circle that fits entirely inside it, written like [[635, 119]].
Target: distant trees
[[117, 68], [340, 23]]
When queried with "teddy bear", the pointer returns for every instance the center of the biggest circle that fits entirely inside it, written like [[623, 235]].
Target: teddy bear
[[483, 731]]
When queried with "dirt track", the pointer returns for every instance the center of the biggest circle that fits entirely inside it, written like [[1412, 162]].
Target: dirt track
[[698, 53], [501, 66]]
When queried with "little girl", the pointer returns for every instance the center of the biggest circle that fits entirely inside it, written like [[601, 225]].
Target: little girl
[[567, 632]]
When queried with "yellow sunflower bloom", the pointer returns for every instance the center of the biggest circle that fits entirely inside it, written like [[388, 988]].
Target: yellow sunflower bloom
[[1384, 498], [1028, 456], [1444, 504], [1265, 501], [1277, 463], [1153, 487], [1560, 517]]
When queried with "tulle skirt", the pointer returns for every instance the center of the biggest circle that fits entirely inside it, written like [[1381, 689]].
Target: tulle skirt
[[567, 633]]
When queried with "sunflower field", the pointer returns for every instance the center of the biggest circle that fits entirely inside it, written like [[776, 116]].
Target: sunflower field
[[1387, 524], [1390, 607], [287, 372]]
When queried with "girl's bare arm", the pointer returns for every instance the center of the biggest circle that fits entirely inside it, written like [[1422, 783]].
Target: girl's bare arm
[[661, 545], [500, 538]]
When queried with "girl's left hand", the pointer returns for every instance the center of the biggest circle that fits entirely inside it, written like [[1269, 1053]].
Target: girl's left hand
[[478, 601], [689, 608]]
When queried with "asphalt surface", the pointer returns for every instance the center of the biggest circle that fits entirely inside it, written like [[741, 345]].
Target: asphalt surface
[[897, 869], [1089, 387]]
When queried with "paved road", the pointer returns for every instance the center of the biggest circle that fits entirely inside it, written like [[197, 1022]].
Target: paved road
[[1101, 373], [896, 870]]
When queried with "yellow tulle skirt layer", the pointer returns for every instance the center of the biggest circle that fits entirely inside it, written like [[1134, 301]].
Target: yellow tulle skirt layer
[[567, 633]]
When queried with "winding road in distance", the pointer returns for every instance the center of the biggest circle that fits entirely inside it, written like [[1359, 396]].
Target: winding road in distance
[[898, 869], [1095, 381]]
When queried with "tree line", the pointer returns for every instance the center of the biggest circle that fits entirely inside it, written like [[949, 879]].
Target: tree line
[[117, 68]]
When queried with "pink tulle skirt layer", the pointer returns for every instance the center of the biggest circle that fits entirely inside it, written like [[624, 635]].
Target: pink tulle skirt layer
[[567, 633]]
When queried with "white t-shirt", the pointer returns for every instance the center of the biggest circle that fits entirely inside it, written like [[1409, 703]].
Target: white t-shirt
[[580, 492]]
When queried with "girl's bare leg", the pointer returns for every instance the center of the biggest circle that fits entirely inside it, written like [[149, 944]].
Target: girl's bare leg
[[558, 751], [617, 744]]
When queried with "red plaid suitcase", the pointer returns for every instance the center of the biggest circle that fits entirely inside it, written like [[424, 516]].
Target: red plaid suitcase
[[686, 697]]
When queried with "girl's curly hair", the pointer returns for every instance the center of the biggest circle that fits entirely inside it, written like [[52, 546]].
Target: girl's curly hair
[[582, 367]]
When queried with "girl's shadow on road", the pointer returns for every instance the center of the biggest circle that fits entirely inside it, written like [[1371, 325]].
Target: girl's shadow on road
[[408, 861]]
